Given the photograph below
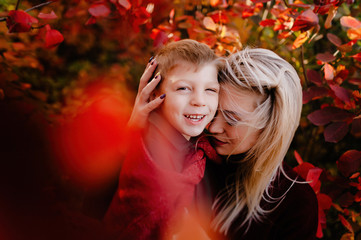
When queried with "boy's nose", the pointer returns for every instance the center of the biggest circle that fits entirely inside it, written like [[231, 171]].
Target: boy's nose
[[198, 99]]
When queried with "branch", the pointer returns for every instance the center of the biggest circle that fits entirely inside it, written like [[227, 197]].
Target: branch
[[38, 6], [29, 9], [303, 66], [17, 5]]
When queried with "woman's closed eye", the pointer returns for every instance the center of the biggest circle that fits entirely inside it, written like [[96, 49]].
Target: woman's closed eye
[[230, 118]]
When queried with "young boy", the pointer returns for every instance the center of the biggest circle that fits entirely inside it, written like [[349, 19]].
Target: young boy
[[162, 166]]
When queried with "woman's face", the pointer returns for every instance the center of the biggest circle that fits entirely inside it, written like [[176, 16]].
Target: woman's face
[[230, 136]]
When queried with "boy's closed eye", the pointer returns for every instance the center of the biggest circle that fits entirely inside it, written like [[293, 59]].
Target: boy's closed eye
[[182, 88], [215, 90]]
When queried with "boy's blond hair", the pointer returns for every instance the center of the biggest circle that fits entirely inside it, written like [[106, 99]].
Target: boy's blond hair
[[186, 51]]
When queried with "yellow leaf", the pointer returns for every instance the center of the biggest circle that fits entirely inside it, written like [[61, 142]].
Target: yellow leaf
[[348, 236], [209, 24]]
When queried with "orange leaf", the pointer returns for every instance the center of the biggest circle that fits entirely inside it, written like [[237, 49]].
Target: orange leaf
[[209, 24], [345, 223], [298, 157], [302, 38], [355, 175], [354, 34], [331, 14], [329, 72], [350, 22], [125, 3]]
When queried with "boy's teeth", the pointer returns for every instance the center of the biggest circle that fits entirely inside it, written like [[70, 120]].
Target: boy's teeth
[[195, 117]]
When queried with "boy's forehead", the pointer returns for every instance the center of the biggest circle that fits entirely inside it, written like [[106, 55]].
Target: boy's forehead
[[205, 73], [187, 67]]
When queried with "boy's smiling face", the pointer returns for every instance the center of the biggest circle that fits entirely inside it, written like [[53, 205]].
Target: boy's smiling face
[[191, 97]]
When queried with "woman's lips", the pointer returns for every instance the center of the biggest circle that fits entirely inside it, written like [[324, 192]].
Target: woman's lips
[[217, 142]]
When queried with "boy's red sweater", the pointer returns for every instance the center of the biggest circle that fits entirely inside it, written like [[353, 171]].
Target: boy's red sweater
[[151, 199]]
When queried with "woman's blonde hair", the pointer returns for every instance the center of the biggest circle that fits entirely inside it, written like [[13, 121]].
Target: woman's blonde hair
[[265, 73]]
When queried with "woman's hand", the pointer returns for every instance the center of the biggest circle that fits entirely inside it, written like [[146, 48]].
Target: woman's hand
[[143, 103]]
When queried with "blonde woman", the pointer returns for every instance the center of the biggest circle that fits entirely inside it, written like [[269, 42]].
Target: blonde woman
[[250, 192], [247, 192]]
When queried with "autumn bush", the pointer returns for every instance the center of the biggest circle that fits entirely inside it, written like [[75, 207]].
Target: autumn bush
[[53, 52]]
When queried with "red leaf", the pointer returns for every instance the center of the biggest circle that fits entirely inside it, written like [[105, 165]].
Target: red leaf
[[324, 201], [53, 38], [329, 72], [349, 162], [341, 93], [343, 74], [356, 127], [334, 39], [345, 223], [335, 131], [267, 22], [350, 22], [314, 77], [159, 37], [358, 197], [19, 21], [313, 176], [125, 3], [328, 114], [248, 12], [346, 199], [99, 10], [298, 157], [325, 57], [91, 20], [48, 16], [260, 1], [303, 169], [305, 21], [313, 93], [219, 17], [355, 81], [357, 57]]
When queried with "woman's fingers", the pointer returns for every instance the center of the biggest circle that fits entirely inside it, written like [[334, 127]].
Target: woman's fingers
[[154, 104], [149, 88], [140, 113], [147, 74]]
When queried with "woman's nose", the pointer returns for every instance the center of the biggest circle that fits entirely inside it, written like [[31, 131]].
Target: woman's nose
[[216, 125]]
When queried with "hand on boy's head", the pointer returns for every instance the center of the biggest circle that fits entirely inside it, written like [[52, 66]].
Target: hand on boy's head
[[144, 105]]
